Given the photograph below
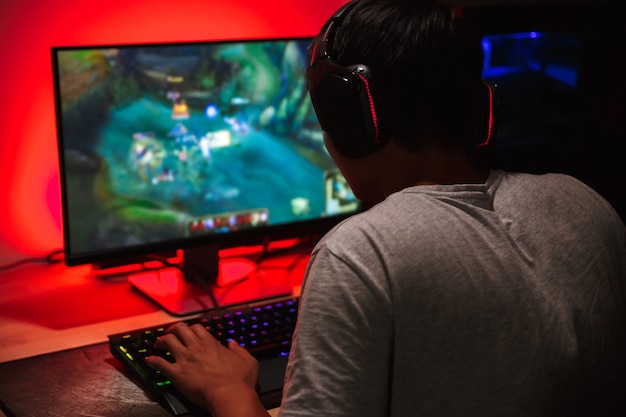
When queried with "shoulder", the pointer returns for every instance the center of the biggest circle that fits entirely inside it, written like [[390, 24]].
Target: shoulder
[[558, 205], [552, 188], [373, 225], [542, 182]]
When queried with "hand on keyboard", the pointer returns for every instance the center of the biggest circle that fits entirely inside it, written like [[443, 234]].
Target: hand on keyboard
[[202, 365], [264, 330]]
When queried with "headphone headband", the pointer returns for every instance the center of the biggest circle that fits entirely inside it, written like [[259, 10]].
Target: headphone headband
[[353, 108], [346, 101], [320, 50]]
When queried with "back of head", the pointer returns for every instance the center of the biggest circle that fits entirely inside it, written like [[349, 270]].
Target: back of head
[[425, 67]]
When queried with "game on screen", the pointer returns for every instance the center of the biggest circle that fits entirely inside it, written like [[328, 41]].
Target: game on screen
[[167, 141]]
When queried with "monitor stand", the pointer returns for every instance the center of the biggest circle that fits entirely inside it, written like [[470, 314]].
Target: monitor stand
[[205, 282]]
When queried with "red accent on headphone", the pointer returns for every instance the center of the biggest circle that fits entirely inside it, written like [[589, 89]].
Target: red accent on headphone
[[490, 124], [372, 108]]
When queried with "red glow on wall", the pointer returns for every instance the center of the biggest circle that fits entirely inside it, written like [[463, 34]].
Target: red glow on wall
[[29, 189]]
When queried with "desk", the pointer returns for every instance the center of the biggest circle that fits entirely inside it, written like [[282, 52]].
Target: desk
[[85, 381], [54, 323]]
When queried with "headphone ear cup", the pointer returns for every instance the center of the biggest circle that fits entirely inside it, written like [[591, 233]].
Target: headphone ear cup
[[343, 97], [344, 102]]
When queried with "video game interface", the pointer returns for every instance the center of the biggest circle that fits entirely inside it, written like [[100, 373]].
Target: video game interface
[[161, 142]]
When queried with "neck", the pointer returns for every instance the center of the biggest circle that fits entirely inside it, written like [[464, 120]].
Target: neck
[[431, 167]]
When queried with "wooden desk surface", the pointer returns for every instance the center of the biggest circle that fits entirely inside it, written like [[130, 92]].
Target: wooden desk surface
[[86, 381], [48, 308], [54, 323]]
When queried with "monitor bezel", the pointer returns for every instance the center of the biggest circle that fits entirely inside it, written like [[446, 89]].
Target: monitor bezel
[[126, 255]]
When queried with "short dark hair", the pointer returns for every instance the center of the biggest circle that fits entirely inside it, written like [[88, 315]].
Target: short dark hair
[[423, 57]]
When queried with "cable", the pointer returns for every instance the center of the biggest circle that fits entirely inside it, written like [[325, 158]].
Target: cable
[[47, 259], [202, 283], [194, 276], [194, 272], [305, 241]]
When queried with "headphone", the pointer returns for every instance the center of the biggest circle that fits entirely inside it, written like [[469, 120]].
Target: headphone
[[354, 112]]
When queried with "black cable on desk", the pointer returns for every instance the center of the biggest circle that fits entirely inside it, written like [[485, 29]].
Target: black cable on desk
[[50, 258], [194, 277]]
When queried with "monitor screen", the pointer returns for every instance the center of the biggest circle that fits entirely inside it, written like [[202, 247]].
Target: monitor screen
[[169, 142], [562, 91], [169, 146], [537, 74]]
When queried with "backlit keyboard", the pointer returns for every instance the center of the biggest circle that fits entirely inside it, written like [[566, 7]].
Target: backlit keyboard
[[265, 329]]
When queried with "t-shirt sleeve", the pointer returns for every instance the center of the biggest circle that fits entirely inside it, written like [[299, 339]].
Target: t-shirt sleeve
[[340, 361]]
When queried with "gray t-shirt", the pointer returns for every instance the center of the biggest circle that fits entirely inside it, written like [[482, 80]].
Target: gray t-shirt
[[498, 299]]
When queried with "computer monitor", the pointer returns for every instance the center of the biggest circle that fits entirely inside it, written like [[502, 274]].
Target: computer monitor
[[560, 72], [538, 75], [192, 147]]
